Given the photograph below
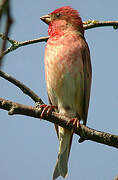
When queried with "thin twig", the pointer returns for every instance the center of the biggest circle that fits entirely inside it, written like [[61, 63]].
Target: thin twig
[[17, 44], [84, 132], [87, 25], [94, 23], [23, 87]]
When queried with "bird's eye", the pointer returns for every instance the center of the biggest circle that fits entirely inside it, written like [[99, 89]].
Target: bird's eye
[[58, 14]]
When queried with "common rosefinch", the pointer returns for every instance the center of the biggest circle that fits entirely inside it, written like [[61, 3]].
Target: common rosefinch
[[68, 75]]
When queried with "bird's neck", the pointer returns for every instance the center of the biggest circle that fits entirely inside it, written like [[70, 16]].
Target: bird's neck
[[59, 29], [64, 38], [56, 35]]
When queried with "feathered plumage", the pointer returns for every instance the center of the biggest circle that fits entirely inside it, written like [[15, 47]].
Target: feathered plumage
[[68, 75]]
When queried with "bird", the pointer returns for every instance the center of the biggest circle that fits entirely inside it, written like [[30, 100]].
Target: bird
[[68, 75]]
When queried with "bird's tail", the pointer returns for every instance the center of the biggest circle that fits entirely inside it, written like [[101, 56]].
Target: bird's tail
[[65, 139]]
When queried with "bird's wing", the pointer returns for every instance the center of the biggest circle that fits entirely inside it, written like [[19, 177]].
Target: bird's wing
[[87, 79]]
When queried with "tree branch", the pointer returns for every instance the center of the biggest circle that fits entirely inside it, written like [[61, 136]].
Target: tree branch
[[5, 9], [90, 24], [87, 25], [17, 44], [84, 132], [23, 87]]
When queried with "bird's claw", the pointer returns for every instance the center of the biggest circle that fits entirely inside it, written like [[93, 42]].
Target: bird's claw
[[75, 122], [47, 108]]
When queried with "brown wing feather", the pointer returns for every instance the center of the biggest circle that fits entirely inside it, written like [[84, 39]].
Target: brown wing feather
[[87, 79]]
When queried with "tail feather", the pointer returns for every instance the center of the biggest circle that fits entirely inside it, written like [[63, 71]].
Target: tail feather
[[65, 139]]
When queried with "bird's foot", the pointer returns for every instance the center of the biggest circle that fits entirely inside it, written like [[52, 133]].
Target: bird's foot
[[75, 122], [47, 108]]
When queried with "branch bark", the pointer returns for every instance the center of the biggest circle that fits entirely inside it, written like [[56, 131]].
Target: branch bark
[[84, 132]]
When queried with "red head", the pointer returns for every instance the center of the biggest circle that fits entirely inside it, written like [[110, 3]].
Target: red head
[[62, 18]]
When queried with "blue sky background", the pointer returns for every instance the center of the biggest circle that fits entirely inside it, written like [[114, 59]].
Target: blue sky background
[[28, 146]]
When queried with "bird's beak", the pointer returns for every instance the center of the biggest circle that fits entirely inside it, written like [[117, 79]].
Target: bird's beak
[[46, 18]]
